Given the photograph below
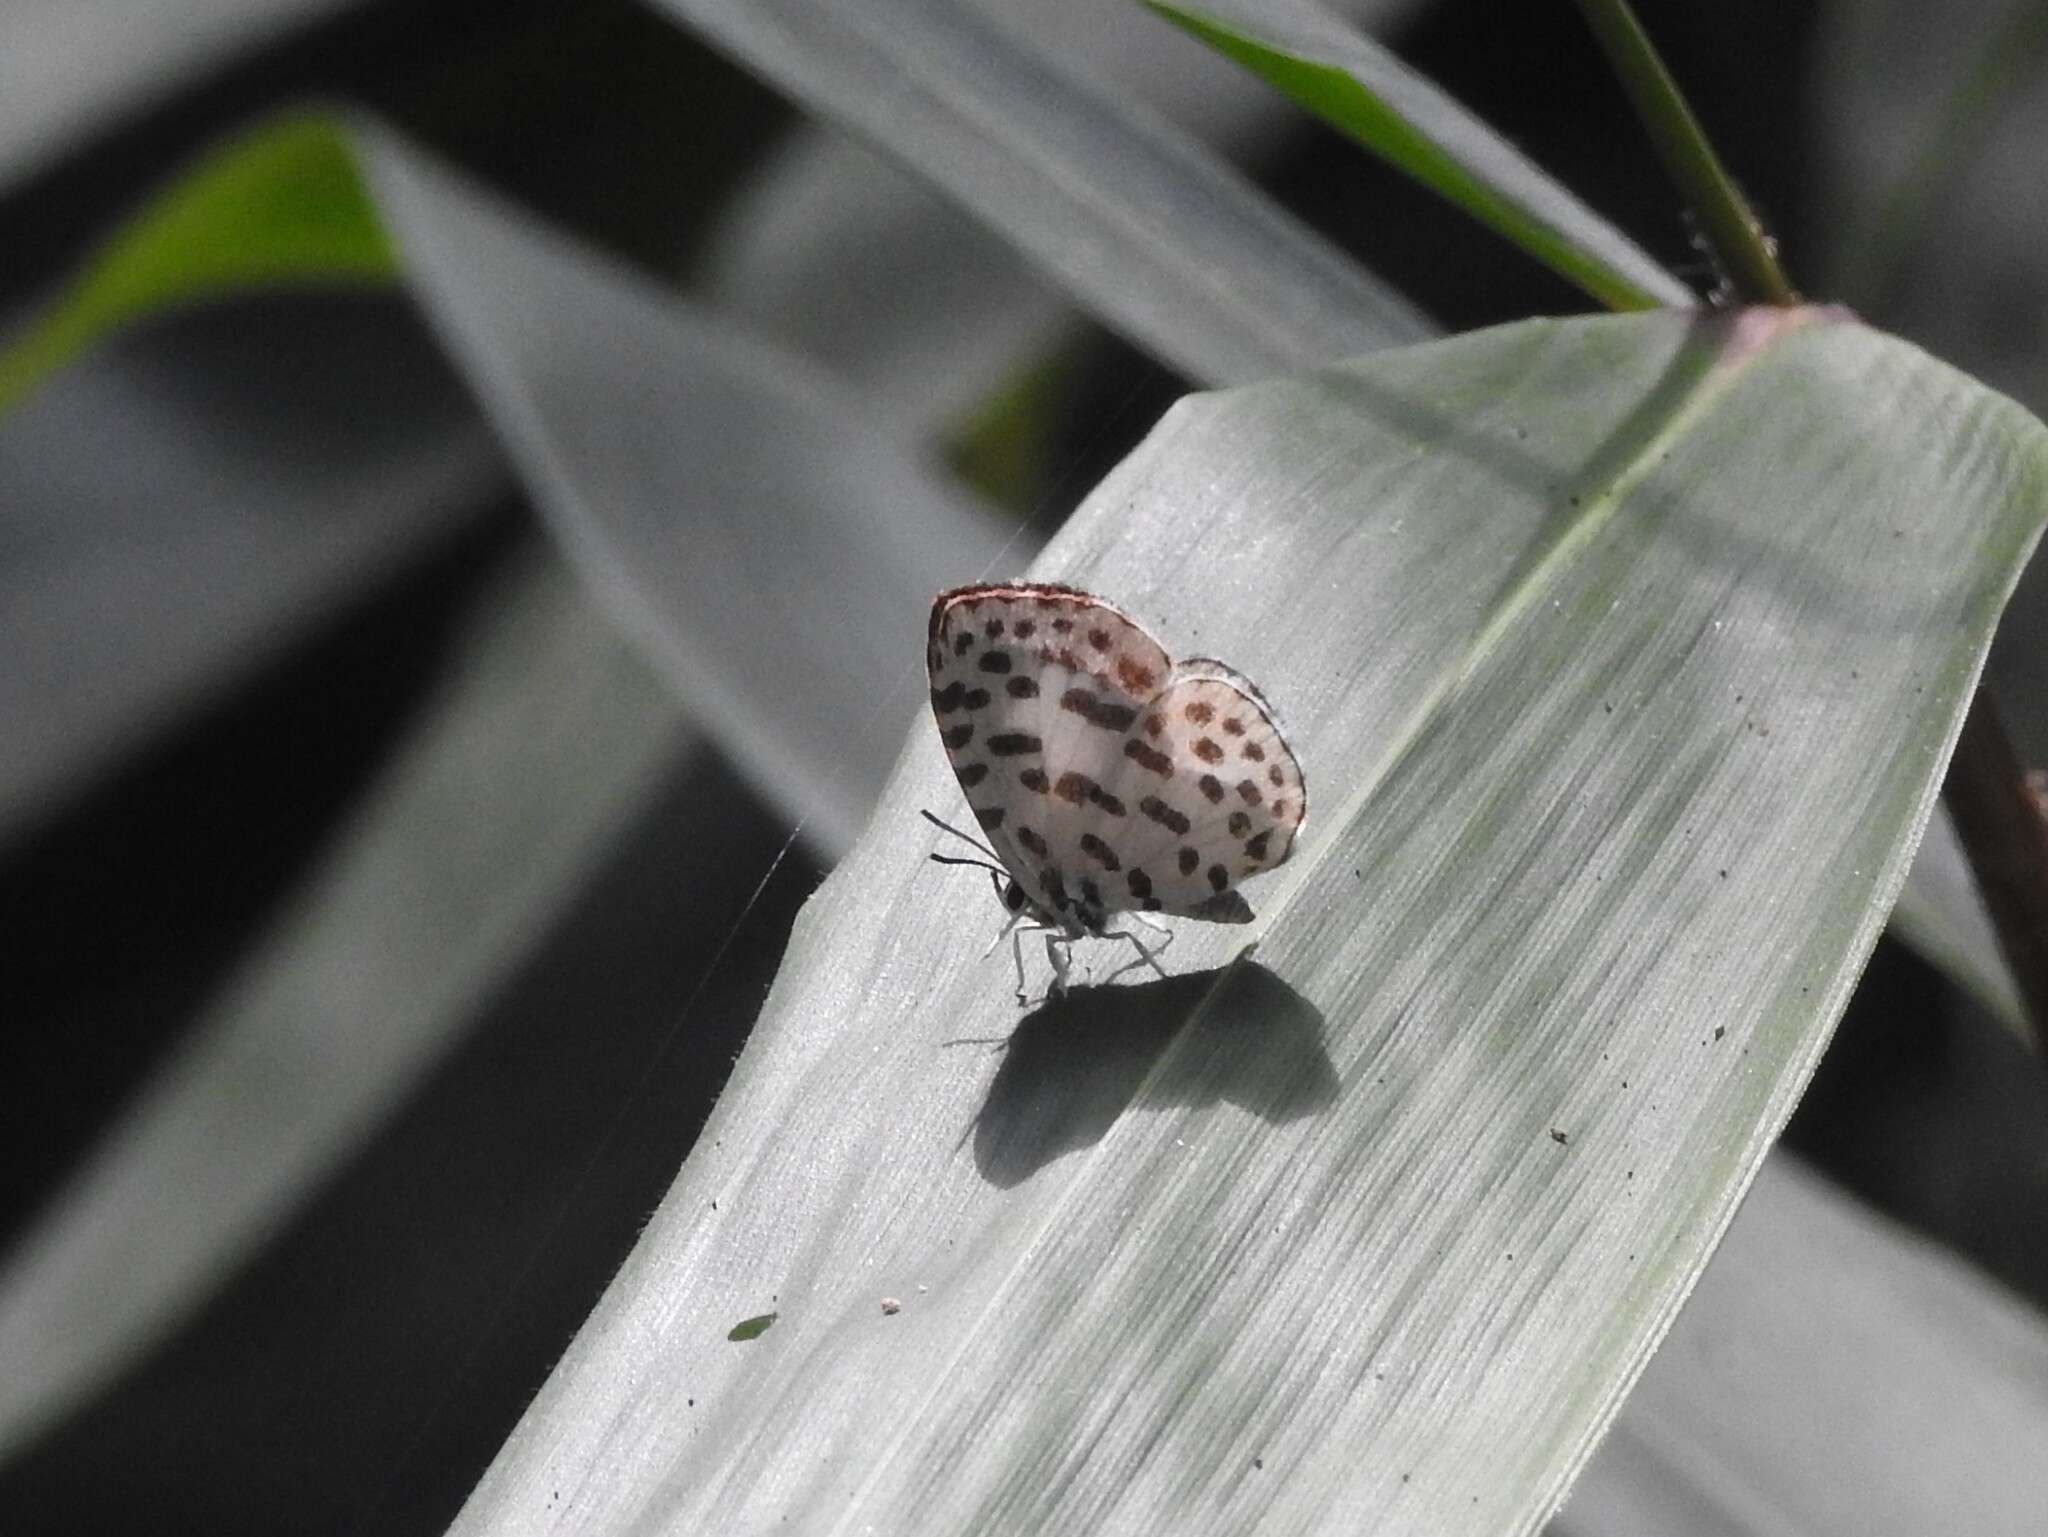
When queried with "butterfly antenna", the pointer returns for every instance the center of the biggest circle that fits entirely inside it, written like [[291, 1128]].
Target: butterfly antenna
[[966, 838], [978, 864]]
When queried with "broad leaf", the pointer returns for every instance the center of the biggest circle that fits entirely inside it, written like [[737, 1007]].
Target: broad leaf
[[1362, 89], [1623, 656]]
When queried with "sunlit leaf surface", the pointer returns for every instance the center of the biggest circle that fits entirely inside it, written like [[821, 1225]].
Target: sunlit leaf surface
[[1623, 656]]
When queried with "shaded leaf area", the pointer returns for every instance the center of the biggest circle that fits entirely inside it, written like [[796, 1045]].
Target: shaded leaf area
[[1623, 656], [244, 499], [1832, 1373], [478, 836], [1362, 90]]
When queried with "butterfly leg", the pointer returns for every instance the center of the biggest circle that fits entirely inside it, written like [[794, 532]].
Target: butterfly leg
[[1146, 956], [1016, 934], [1165, 934]]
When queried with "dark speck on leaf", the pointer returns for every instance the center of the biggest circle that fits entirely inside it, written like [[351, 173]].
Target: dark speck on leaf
[[1558, 1137]]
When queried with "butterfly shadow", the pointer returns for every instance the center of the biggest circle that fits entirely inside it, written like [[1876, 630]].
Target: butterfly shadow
[[1077, 1062]]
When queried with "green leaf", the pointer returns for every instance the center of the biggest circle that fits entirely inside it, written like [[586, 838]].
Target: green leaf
[[281, 207], [751, 1328], [1623, 656], [1363, 90]]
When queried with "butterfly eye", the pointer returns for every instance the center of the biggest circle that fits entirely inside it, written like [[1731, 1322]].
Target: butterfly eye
[[1013, 896]]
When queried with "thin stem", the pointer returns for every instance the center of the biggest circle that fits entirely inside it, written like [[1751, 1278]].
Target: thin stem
[[1731, 229], [2003, 827]]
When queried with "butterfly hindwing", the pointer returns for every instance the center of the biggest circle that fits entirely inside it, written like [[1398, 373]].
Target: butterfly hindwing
[[1219, 793]]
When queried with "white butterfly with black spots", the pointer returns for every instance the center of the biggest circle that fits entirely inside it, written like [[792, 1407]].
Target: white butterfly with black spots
[[1107, 778]]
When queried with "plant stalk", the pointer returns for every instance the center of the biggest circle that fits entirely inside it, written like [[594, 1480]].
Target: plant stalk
[[2003, 826], [1734, 235]]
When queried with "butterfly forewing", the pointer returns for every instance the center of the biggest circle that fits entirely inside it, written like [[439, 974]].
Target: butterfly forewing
[[1033, 688], [1105, 778]]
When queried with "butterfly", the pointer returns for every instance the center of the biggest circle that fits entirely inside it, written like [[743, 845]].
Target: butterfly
[[1107, 778]]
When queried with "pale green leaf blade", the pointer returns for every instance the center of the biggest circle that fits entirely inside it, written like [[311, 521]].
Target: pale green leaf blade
[[1623, 656], [1365, 91], [1155, 235]]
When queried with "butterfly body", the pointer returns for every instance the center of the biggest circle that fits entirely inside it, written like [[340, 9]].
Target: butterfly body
[[1106, 777]]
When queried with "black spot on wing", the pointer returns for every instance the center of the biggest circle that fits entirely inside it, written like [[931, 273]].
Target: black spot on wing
[[1107, 714], [1146, 756], [1157, 809], [1104, 801], [1014, 744], [994, 661], [1100, 852]]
